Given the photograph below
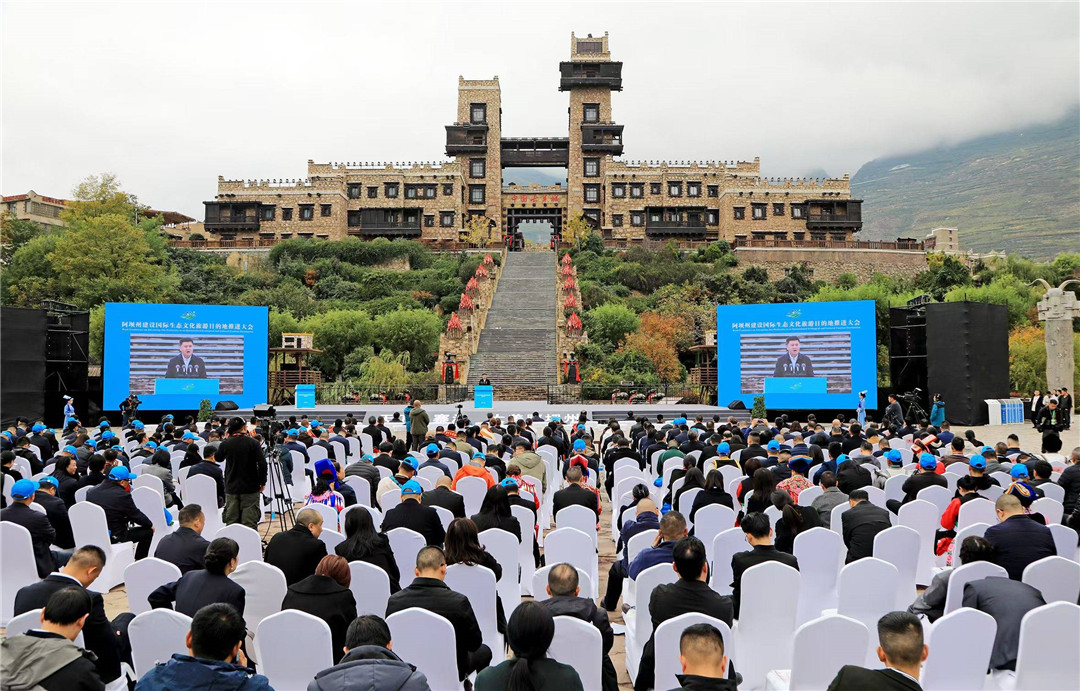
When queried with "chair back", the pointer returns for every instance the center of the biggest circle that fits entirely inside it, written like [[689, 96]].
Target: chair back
[[710, 521], [962, 575], [960, 645], [329, 514], [808, 495], [264, 587], [924, 517], [836, 523], [899, 545], [1046, 659], [151, 481], [975, 529], [1066, 539], [17, 566], [526, 562], [686, 502], [248, 539], [578, 643], [145, 576], [370, 586], [646, 581], [666, 646], [770, 600], [152, 505], [406, 544], [821, 553], [477, 583], [724, 547], [80, 494], [867, 591], [894, 487], [574, 547], [1057, 578], [331, 538], [504, 547], [426, 640], [202, 490], [976, 511], [1052, 491], [824, 645], [292, 647], [1051, 509], [580, 518], [362, 488], [155, 636], [473, 490]]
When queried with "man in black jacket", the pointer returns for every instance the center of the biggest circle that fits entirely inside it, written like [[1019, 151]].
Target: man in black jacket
[[99, 634], [704, 664], [37, 524], [411, 514], [861, 523], [445, 497], [209, 467], [385, 460], [926, 477], [114, 496], [432, 453], [298, 550], [185, 547], [428, 591], [850, 475], [365, 468], [56, 511], [564, 600], [1017, 538], [245, 475], [576, 494], [620, 450], [374, 432], [691, 593], [901, 648], [759, 534], [1007, 601]]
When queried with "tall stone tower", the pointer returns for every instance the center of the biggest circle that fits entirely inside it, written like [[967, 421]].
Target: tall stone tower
[[590, 76], [475, 140]]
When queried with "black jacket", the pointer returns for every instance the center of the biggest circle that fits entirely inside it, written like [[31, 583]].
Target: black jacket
[[707, 497], [1070, 480], [918, 482], [852, 678], [584, 609], [68, 485], [195, 590], [368, 471], [323, 597], [381, 556], [77, 675], [375, 433], [693, 682], [184, 547], [415, 516], [1019, 541], [57, 513], [861, 524], [1007, 601], [741, 561], [786, 534], [488, 521], [213, 470], [575, 495], [435, 596], [98, 633], [245, 465], [370, 668], [296, 552], [851, 476], [195, 369], [42, 534], [120, 509], [447, 499]]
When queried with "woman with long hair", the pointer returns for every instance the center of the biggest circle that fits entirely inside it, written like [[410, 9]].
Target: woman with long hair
[[693, 480], [639, 492], [793, 520], [323, 493], [364, 543], [495, 513], [463, 547], [750, 466], [326, 595], [529, 633], [761, 497], [714, 493], [207, 585]]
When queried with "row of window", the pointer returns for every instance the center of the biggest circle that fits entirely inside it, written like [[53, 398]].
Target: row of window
[[637, 218], [307, 212], [392, 189], [675, 189], [392, 217], [758, 211]]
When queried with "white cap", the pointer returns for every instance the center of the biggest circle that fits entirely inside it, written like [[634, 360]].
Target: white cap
[[68, 398]]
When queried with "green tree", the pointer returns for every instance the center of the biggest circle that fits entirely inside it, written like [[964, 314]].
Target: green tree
[[31, 276], [409, 331], [287, 296], [337, 333], [385, 371], [14, 233], [97, 333], [280, 322], [608, 324]]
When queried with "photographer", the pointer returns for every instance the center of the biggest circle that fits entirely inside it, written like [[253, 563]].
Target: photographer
[[129, 408]]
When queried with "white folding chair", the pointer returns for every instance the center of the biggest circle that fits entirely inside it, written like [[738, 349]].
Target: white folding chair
[[976, 511], [1057, 578], [362, 488], [356, 449], [923, 516], [960, 644], [390, 498], [477, 583], [899, 546], [331, 538], [820, 648], [578, 517], [145, 576], [666, 646], [367, 444], [151, 481], [770, 600], [1065, 539], [80, 494], [202, 490], [821, 553], [151, 504], [1046, 659], [427, 640], [340, 455], [975, 529], [962, 575], [155, 635], [808, 495], [370, 587], [31, 619], [836, 523], [247, 538], [504, 547], [574, 547], [17, 567], [638, 621], [642, 540], [292, 647], [406, 544], [1052, 491], [867, 590], [894, 487], [329, 514], [724, 547], [578, 643], [938, 496], [709, 522], [431, 473], [526, 562], [473, 490], [265, 587], [1051, 509], [686, 502], [540, 580], [446, 517], [90, 528], [316, 453]]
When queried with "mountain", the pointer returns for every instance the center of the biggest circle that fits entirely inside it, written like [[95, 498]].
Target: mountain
[[534, 176], [1017, 191]]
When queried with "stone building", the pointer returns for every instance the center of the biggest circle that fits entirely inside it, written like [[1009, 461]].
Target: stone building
[[34, 207], [629, 202]]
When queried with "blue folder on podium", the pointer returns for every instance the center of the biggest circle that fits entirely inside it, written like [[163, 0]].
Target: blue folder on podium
[[791, 392], [191, 387], [483, 397]]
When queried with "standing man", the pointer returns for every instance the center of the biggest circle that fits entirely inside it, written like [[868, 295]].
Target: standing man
[[418, 425], [793, 363], [894, 415], [483, 381], [186, 365], [245, 475]]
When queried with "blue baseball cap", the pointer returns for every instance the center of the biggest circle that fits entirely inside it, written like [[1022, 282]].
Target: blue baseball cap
[[121, 473], [117, 447], [431, 450], [38, 428], [556, 418], [928, 460], [411, 462], [103, 423], [985, 449], [6, 434], [841, 459], [723, 448], [169, 416], [69, 449], [579, 445], [190, 435], [679, 421], [412, 487], [50, 430], [367, 457], [800, 464], [49, 480], [23, 489], [315, 423], [479, 455], [893, 456], [138, 424], [91, 442], [107, 435], [977, 462], [509, 482], [773, 445], [1018, 470], [291, 432]]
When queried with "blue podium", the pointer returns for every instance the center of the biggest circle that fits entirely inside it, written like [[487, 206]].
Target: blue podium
[[305, 395], [200, 387], [792, 392], [483, 397]]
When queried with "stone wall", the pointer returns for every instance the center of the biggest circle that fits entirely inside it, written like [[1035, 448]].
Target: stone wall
[[828, 264]]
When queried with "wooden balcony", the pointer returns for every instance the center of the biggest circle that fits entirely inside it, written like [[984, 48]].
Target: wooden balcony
[[602, 75], [602, 138], [902, 244], [524, 152], [466, 138]]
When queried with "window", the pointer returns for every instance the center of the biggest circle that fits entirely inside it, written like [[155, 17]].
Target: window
[[693, 189], [778, 209], [430, 191], [712, 217], [592, 167], [429, 220], [637, 218], [476, 194], [476, 167], [656, 188], [286, 214], [354, 191], [593, 47], [758, 211], [616, 220], [448, 189], [410, 191], [412, 218], [307, 212], [637, 190], [592, 193], [655, 217], [618, 190], [594, 214], [592, 112], [372, 192], [326, 210], [674, 189], [266, 213], [354, 218], [478, 113], [714, 191], [798, 211], [740, 213], [446, 219], [391, 190]]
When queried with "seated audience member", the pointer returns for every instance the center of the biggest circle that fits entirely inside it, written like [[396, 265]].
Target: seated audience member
[[495, 513], [46, 657], [565, 600], [214, 659], [208, 466], [365, 468], [323, 493], [638, 493], [860, 525], [900, 647], [42, 533], [830, 498], [330, 471], [364, 543], [529, 634], [1007, 601], [160, 467], [977, 471], [67, 479], [476, 467], [793, 520], [114, 496], [205, 586], [797, 481], [298, 550], [463, 547], [758, 533], [369, 663], [405, 472], [1018, 539], [714, 493], [432, 453], [410, 513], [764, 482], [577, 493], [56, 511], [428, 591], [647, 518], [702, 659], [926, 477], [931, 603], [95, 472], [326, 595], [672, 529], [445, 497], [850, 475], [691, 593], [185, 547], [99, 634], [1070, 480], [956, 454]]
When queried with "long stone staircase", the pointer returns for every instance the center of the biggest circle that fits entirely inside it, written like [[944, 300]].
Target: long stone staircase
[[517, 348]]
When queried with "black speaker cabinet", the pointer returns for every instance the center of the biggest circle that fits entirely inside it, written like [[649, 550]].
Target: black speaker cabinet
[[967, 356]]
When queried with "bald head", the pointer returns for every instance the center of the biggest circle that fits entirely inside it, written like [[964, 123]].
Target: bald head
[[646, 506], [1008, 505], [563, 581], [443, 482]]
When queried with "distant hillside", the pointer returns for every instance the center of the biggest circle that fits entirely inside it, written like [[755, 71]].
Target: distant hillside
[[534, 176], [1017, 191]]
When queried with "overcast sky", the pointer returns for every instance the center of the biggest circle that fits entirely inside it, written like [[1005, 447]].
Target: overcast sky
[[171, 95]]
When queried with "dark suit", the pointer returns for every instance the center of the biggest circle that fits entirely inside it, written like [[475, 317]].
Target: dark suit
[[323, 597], [296, 552], [447, 499], [57, 513], [98, 632], [213, 470], [415, 516], [802, 367], [852, 678], [1019, 541], [184, 548], [42, 534], [861, 524], [586, 610], [575, 495], [195, 590], [195, 369], [1007, 601], [741, 561], [379, 555], [120, 510], [435, 596]]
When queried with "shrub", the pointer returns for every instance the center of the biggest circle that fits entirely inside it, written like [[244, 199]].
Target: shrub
[[608, 324], [206, 411]]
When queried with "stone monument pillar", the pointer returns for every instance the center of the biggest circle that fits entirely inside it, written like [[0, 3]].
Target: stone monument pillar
[[1058, 308]]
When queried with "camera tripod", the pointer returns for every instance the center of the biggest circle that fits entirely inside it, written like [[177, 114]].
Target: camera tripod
[[277, 492]]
